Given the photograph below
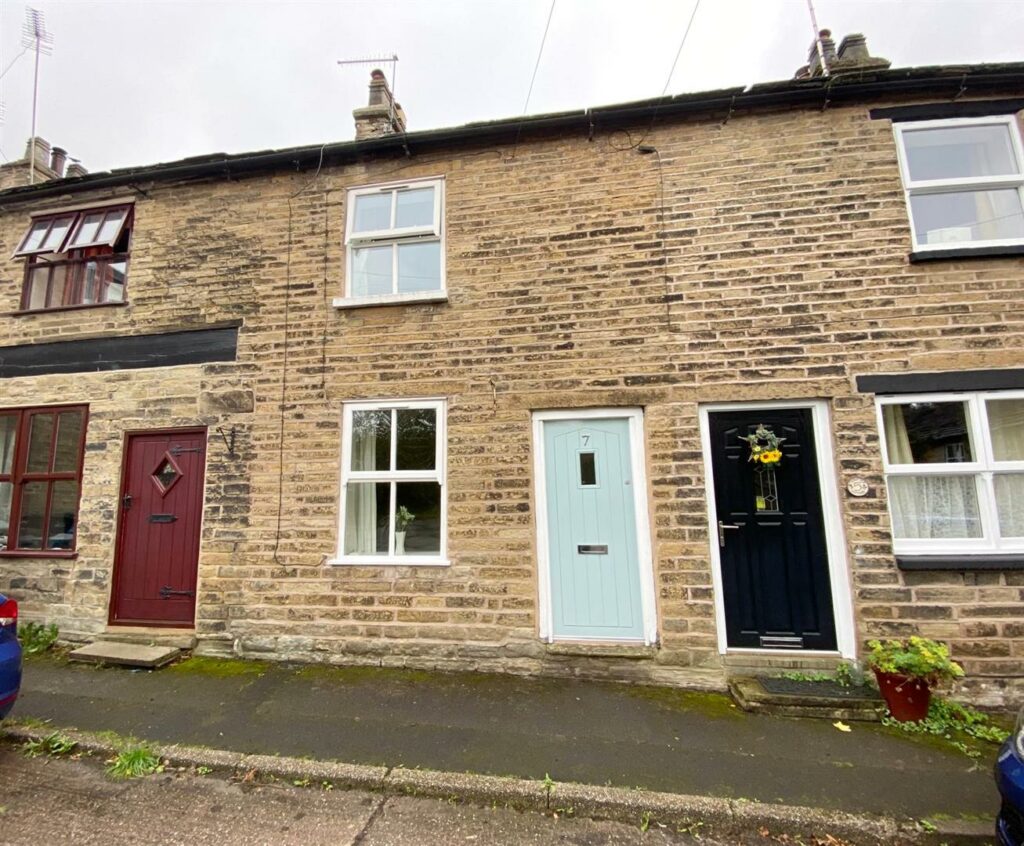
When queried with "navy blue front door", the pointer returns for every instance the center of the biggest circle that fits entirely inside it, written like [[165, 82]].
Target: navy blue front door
[[771, 533]]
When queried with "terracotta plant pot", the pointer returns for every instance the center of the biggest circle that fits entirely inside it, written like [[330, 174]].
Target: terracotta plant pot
[[906, 697]]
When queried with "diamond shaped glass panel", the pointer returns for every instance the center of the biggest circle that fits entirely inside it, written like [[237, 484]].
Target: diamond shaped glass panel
[[166, 474]]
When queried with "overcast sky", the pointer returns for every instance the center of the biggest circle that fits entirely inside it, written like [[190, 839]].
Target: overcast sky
[[138, 82]]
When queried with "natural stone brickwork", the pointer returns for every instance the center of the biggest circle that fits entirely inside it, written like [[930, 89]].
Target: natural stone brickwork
[[761, 258]]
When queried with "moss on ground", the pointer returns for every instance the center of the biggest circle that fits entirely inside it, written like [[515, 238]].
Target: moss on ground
[[706, 703], [219, 667]]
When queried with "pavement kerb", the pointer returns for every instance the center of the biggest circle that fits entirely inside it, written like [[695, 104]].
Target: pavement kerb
[[701, 815]]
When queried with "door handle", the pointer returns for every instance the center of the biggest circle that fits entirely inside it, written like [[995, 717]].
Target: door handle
[[126, 501], [721, 531]]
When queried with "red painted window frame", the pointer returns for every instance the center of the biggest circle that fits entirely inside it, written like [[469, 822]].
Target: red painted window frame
[[19, 475], [79, 258]]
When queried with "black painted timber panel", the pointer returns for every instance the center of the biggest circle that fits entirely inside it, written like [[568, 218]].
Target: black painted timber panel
[[933, 382], [168, 349]]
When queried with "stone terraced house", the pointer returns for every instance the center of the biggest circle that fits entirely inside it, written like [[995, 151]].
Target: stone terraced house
[[487, 397]]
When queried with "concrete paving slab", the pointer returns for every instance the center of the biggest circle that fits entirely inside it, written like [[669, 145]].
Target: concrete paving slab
[[125, 654]]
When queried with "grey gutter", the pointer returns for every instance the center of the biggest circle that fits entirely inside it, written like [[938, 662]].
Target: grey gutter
[[945, 81]]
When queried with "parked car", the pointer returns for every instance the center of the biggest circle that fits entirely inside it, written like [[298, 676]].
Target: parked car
[[1010, 779], [10, 655]]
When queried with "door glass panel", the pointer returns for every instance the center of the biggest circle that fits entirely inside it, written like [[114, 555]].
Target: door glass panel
[[415, 208], [39, 442], [373, 213], [1010, 504], [8, 429], [417, 439], [927, 433], [957, 216], [63, 510], [588, 470], [69, 435], [371, 440], [6, 492], [371, 271], [419, 267], [166, 474], [935, 506], [33, 511], [421, 502], [367, 515], [1006, 424], [960, 152]]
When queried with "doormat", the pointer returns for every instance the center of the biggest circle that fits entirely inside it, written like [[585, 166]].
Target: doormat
[[816, 689], [792, 698]]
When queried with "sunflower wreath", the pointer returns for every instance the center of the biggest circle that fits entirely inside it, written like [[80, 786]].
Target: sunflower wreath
[[764, 446]]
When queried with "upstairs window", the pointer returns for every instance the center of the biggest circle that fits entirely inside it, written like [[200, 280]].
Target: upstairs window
[[41, 452], [395, 243], [76, 258], [964, 182]]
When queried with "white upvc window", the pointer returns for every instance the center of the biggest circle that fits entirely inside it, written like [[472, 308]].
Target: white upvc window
[[394, 239], [954, 470], [393, 495], [964, 181]]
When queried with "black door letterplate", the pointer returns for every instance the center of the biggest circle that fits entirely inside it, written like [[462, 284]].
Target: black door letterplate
[[167, 592], [592, 549], [162, 518]]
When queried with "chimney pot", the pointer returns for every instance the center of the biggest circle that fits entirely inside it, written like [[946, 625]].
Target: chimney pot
[[58, 158]]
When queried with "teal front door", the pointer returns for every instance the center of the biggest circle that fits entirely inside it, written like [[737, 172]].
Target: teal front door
[[592, 530]]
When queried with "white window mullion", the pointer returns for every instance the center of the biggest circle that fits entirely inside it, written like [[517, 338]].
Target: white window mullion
[[394, 268], [391, 519]]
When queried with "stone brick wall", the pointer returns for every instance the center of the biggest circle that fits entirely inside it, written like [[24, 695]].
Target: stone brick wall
[[756, 259]]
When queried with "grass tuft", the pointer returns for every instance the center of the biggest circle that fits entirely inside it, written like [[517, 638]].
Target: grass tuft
[[134, 762]]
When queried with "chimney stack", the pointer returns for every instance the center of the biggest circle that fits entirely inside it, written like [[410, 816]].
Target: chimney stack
[[382, 116], [852, 56], [58, 158]]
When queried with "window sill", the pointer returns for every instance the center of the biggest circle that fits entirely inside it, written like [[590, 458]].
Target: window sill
[[391, 299], [404, 561], [38, 553], [964, 561], [27, 311], [919, 256]]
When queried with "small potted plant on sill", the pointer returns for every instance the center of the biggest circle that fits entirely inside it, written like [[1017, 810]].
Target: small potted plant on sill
[[907, 670], [403, 517]]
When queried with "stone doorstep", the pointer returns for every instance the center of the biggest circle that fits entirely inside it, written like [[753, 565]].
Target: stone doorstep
[[579, 649], [125, 654], [750, 695], [183, 639]]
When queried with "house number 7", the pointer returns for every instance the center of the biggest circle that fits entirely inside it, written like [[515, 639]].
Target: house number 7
[[586, 440]]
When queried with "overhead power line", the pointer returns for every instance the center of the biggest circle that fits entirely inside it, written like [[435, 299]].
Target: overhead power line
[[533, 78]]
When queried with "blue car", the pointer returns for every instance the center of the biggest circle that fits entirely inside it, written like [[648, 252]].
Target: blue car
[[10, 655], [1010, 779]]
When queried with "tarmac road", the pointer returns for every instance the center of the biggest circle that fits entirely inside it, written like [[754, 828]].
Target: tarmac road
[[59, 801]]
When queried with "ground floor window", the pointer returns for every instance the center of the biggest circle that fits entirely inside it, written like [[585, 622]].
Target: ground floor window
[[41, 453], [392, 483], [954, 466]]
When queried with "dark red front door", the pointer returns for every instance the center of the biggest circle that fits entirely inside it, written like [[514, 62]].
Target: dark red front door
[[158, 544]]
